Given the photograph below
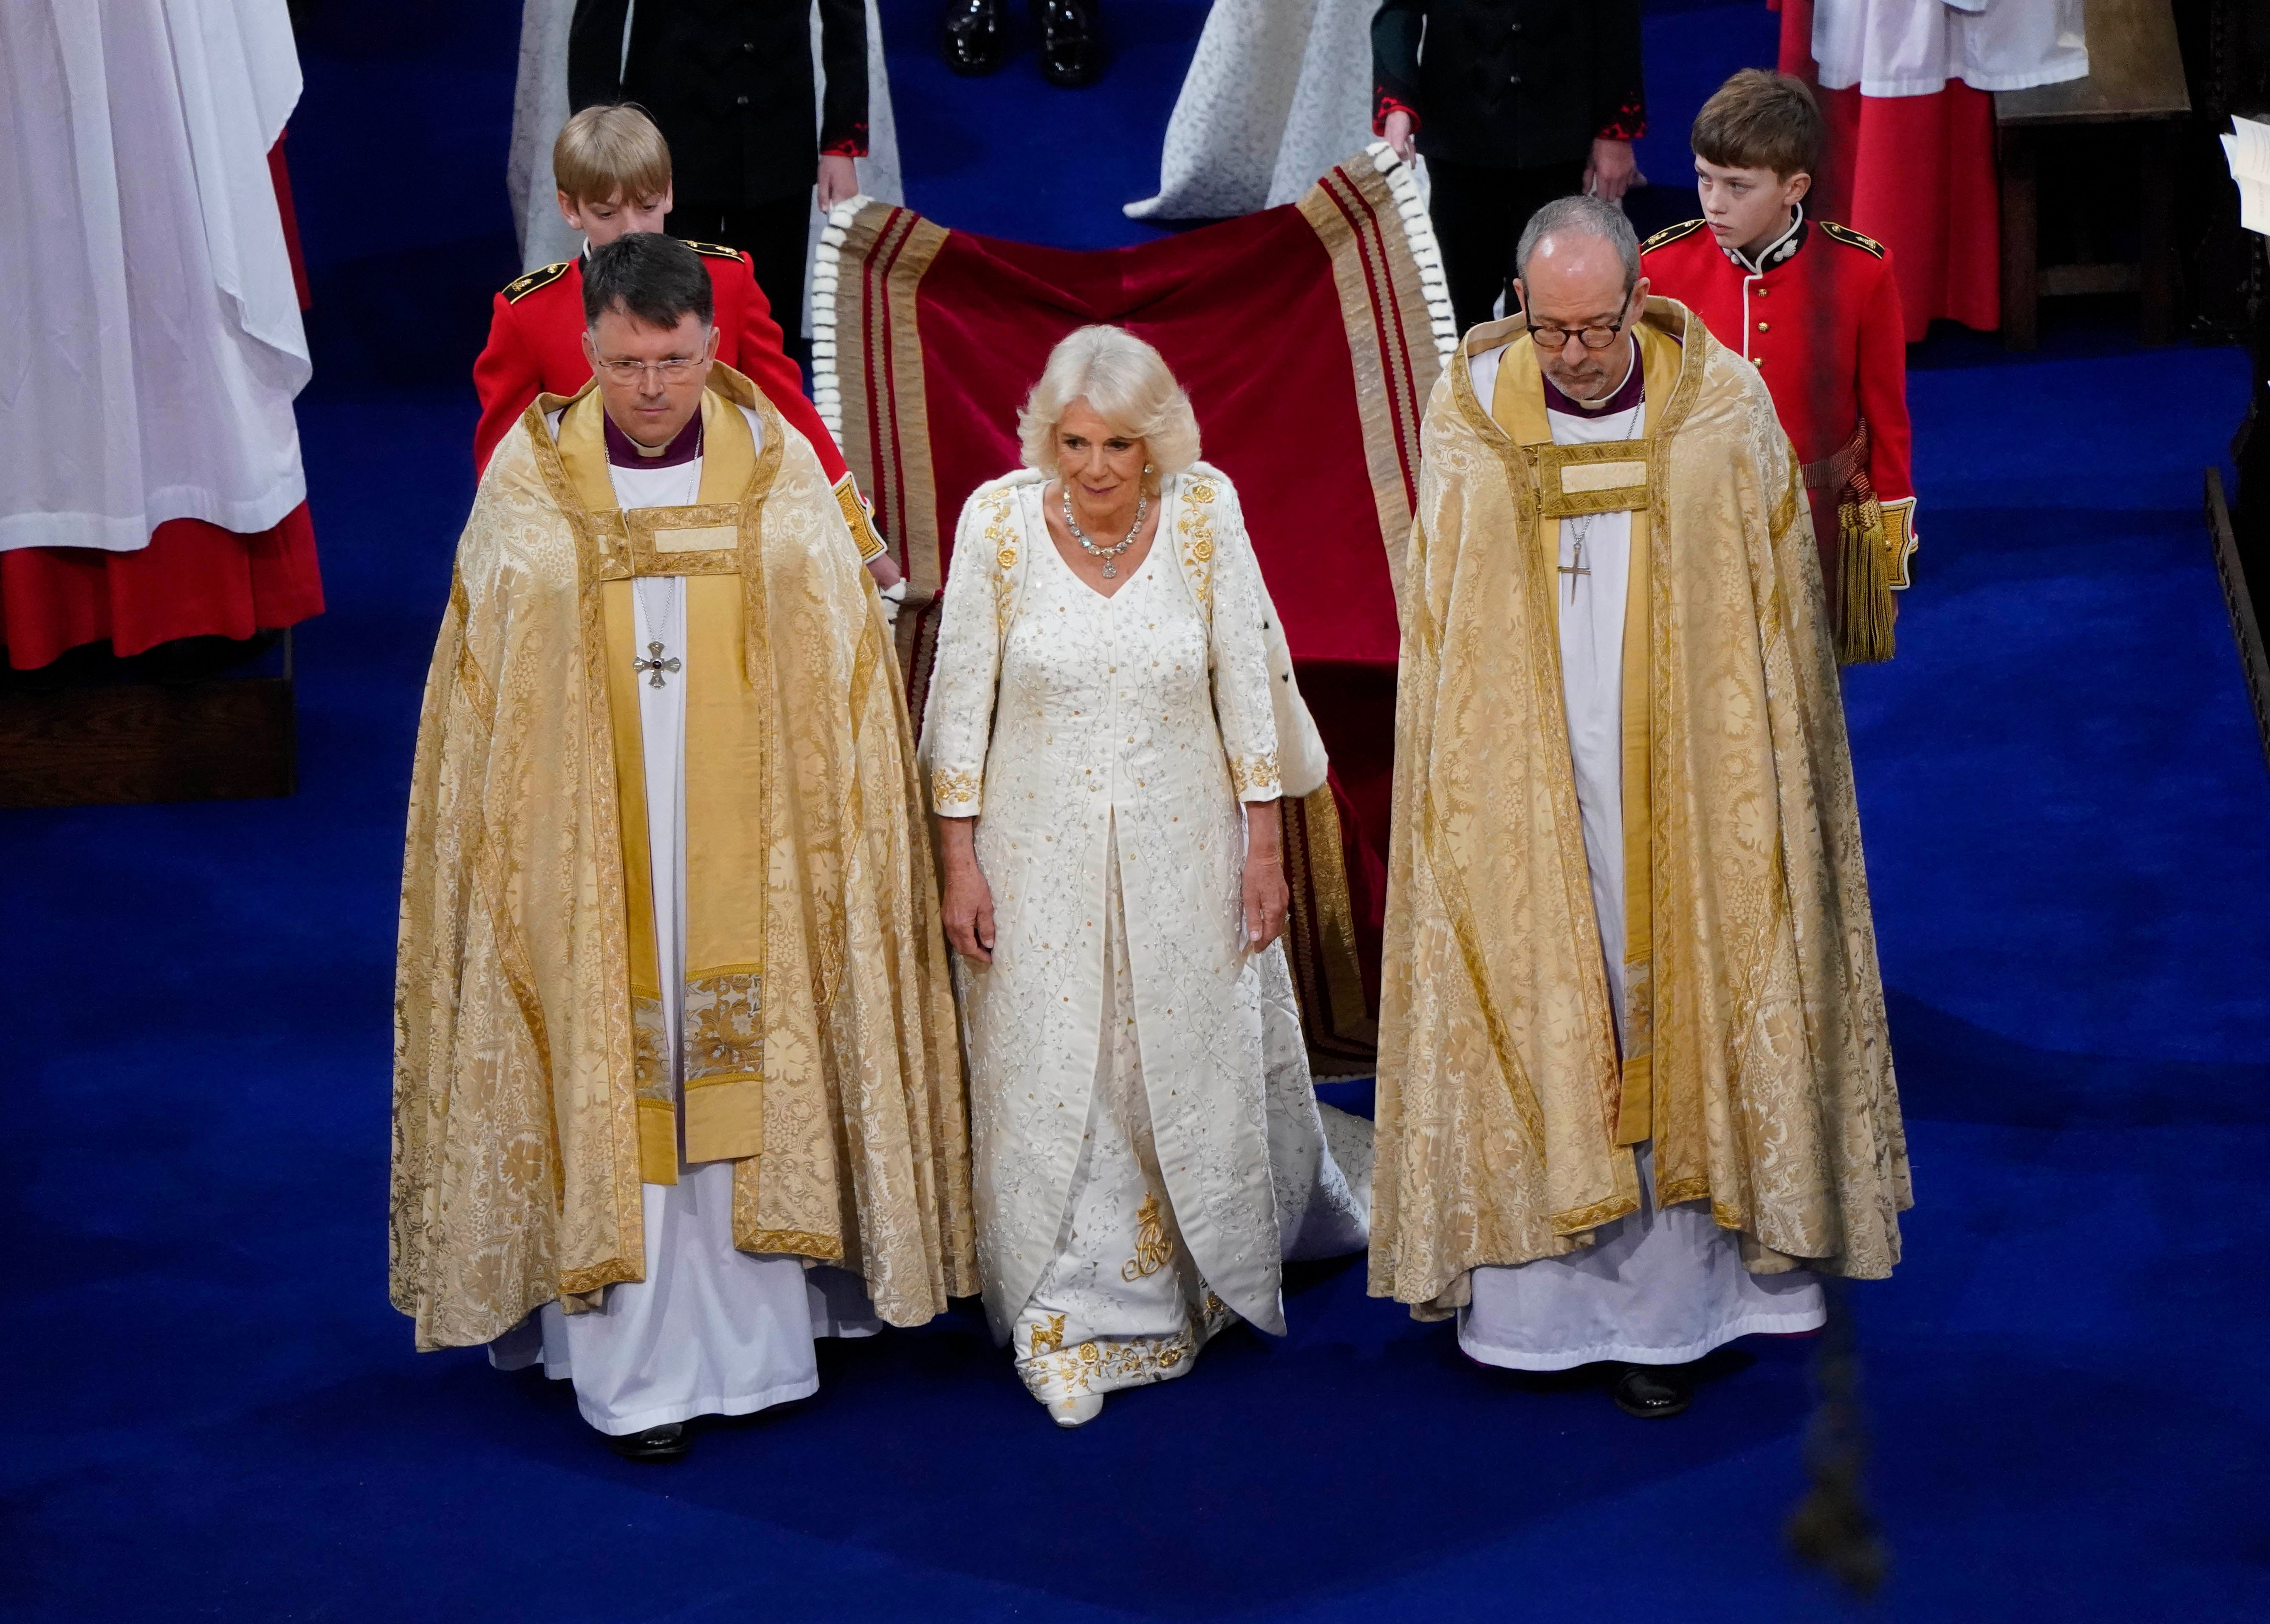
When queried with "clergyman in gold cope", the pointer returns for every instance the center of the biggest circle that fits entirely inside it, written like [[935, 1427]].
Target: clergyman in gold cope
[[1635, 1088], [676, 1081]]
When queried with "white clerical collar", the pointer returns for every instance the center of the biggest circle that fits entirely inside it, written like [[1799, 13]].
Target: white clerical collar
[[1774, 253]]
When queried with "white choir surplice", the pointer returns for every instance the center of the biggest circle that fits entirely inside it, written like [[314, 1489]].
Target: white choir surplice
[[1147, 1145], [154, 343], [1911, 48], [712, 1329], [1665, 1284]]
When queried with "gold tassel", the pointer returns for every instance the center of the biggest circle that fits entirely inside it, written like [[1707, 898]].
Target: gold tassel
[[1864, 631]]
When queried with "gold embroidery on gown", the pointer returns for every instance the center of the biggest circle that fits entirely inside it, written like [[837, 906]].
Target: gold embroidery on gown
[[1151, 1249]]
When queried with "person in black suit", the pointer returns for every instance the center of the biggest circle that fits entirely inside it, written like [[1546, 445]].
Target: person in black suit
[[729, 84], [1514, 102]]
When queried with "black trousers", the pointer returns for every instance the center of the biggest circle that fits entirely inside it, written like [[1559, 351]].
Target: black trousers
[[774, 235], [1477, 215]]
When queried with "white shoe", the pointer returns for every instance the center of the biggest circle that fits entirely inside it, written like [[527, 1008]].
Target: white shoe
[[1078, 1410]]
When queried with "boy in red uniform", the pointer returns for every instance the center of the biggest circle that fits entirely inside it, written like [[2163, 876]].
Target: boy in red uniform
[[1813, 307], [614, 170]]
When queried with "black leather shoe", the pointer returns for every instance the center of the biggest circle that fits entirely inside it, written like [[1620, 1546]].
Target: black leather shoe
[[1653, 1391], [974, 35], [1072, 42], [669, 1442]]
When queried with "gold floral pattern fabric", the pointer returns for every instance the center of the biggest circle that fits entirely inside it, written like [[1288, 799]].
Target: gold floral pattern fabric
[[1773, 1089], [1109, 1364], [1247, 773], [516, 1167], [725, 1033], [954, 792]]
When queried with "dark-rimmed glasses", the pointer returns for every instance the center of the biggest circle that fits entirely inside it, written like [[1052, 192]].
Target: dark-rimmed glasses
[[1557, 338]]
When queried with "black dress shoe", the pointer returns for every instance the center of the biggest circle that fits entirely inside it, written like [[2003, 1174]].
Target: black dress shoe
[[1072, 42], [1653, 1391], [974, 36], [669, 1442]]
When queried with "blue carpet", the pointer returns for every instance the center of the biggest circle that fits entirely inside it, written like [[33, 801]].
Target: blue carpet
[[2067, 810]]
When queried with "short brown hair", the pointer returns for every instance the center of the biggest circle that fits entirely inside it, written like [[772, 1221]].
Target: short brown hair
[[657, 281], [606, 152], [1761, 120]]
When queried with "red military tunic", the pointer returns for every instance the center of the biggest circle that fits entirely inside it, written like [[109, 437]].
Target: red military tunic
[[536, 346], [1820, 319]]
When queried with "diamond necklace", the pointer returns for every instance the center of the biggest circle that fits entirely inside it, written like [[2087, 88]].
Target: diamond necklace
[[1107, 554]]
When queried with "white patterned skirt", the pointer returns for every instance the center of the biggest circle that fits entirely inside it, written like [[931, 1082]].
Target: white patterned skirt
[[1120, 1303]]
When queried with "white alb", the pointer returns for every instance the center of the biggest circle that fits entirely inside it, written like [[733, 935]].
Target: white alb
[[154, 343]]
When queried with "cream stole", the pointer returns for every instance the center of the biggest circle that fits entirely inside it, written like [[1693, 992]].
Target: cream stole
[[729, 723], [1610, 476]]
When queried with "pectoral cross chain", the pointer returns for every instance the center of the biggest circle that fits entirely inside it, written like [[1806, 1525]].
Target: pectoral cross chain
[[1573, 568], [654, 665]]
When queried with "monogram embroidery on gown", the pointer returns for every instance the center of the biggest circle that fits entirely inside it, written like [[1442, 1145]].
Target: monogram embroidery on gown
[[1128, 1075]]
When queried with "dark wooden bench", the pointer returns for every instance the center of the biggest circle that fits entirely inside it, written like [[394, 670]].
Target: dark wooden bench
[[2135, 79]]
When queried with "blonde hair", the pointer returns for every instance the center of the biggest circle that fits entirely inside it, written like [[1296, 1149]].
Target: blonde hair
[[1126, 383], [607, 152]]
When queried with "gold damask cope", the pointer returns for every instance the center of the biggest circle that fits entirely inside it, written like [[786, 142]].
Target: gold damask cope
[[1572, 482], [521, 1017], [1772, 1094]]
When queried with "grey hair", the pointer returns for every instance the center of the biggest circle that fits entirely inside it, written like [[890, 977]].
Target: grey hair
[[1591, 216], [1126, 382]]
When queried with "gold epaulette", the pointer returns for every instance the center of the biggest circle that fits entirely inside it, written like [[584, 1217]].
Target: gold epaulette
[[714, 250], [1671, 234], [1850, 237], [543, 276]]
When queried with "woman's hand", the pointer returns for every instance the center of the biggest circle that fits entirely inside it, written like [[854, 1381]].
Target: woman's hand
[[968, 903], [1266, 896]]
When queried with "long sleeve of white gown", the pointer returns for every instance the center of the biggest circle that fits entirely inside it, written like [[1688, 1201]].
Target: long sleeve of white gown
[[958, 721], [1241, 704]]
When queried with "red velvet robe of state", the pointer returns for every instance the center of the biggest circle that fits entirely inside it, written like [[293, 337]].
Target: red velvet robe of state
[[535, 347], [1823, 328]]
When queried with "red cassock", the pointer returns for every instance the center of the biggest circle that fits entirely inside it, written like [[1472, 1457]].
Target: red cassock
[[1916, 171], [535, 347], [1823, 325]]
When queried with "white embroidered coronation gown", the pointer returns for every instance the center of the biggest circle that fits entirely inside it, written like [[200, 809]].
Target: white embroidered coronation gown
[[1130, 1063]]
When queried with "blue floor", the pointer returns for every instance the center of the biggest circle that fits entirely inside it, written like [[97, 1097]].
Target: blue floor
[[2066, 811]]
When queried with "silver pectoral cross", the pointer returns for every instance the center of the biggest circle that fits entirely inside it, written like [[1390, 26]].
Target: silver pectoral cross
[[1573, 568], [654, 665]]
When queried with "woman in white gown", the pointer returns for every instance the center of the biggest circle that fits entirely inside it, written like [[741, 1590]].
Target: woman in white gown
[[1102, 757]]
